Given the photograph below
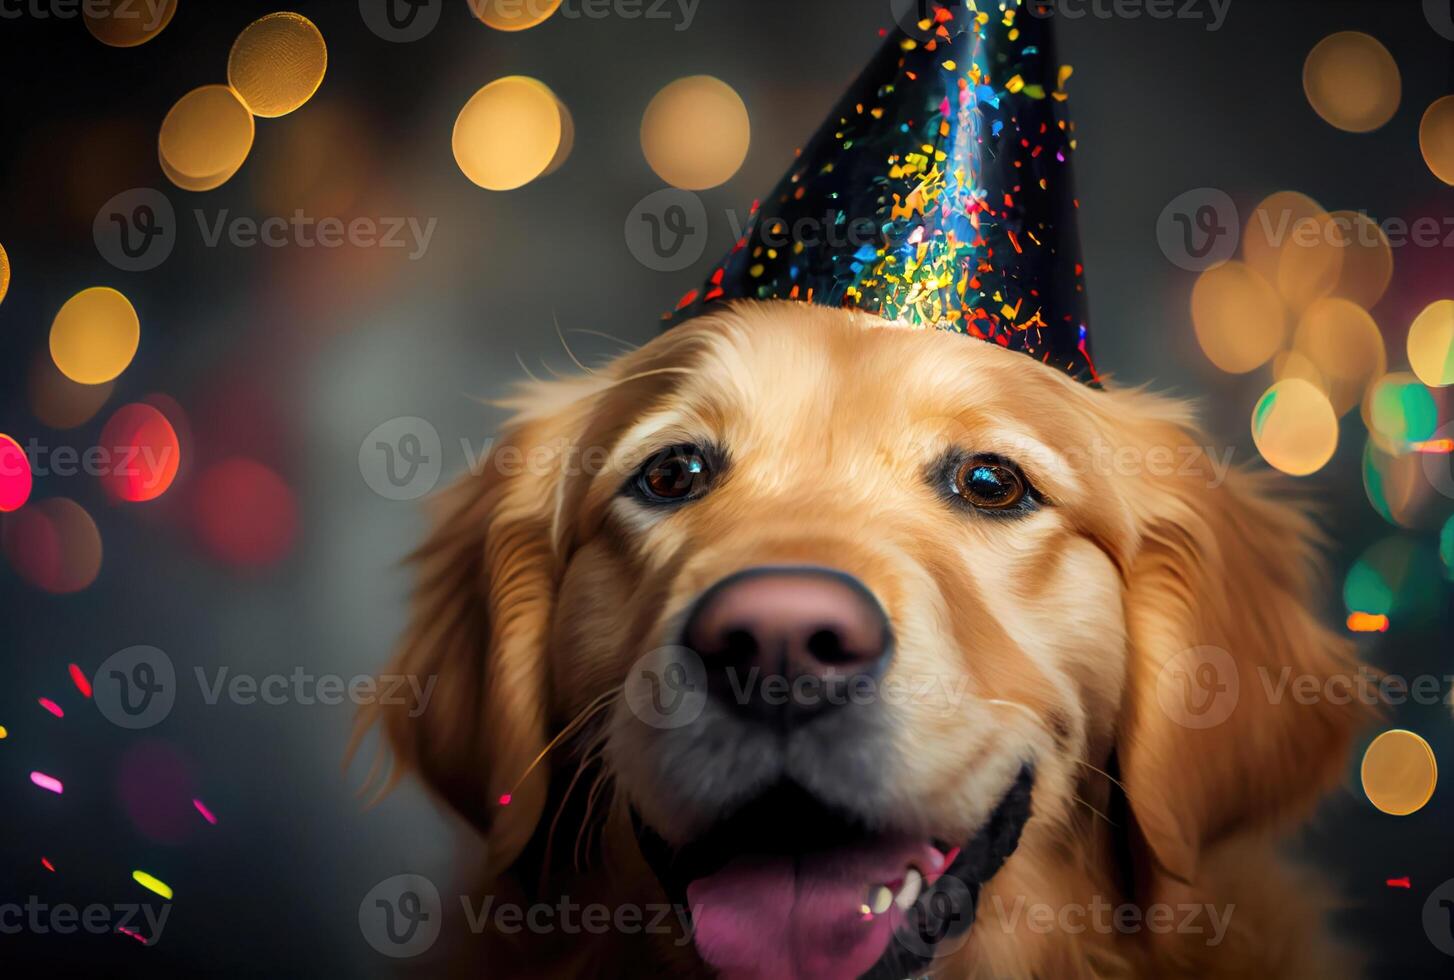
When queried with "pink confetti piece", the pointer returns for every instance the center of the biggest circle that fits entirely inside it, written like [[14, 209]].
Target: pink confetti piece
[[83, 683], [47, 782], [207, 814], [51, 706], [45, 862], [132, 933]]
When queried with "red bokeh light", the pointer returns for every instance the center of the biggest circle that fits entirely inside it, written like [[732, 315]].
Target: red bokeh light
[[143, 452], [54, 545], [246, 515], [15, 478]]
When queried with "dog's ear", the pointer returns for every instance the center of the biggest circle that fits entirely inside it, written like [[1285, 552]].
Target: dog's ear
[[1221, 597], [478, 629]]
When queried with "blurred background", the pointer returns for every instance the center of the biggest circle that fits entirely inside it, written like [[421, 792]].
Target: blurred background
[[195, 398]]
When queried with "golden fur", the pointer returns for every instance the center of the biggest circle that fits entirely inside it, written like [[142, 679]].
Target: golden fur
[[541, 585]]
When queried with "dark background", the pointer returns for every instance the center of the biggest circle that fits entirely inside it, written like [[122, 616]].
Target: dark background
[[292, 357]]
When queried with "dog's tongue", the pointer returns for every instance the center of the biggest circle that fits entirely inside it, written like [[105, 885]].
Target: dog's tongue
[[801, 918]]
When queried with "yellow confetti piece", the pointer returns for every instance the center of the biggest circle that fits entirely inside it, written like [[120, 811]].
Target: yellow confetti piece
[[1015, 84], [4, 733], [908, 44], [152, 884], [950, 65], [756, 270]]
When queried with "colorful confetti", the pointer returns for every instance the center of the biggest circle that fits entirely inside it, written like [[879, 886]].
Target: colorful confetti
[[45, 862], [1399, 883], [83, 684], [51, 706], [152, 883], [47, 782], [123, 930], [1362, 622], [206, 813]]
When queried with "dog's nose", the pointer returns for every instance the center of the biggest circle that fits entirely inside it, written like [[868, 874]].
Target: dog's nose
[[811, 634]]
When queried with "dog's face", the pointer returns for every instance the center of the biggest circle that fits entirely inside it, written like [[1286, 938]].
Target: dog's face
[[833, 607]]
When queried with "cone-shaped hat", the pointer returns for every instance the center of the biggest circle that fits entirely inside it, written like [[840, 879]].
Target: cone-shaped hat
[[938, 192]]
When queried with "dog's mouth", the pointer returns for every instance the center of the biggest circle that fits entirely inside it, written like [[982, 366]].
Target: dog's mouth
[[786, 888]]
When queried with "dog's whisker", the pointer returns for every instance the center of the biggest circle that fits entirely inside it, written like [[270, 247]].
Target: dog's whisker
[[1092, 768], [601, 700], [602, 779], [528, 372], [628, 345], [1108, 820], [566, 346], [589, 756]]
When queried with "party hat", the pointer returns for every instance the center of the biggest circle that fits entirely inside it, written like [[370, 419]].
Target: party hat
[[938, 193]]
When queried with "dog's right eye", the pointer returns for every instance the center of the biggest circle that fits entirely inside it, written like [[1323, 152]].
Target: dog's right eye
[[674, 475]]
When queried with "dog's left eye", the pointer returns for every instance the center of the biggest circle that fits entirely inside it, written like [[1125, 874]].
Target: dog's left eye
[[990, 483], [674, 475]]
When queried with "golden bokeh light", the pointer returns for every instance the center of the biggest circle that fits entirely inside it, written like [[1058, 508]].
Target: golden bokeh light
[[126, 23], [205, 138], [1271, 227], [567, 139], [1311, 264], [1239, 320], [1367, 259], [1295, 427], [94, 336], [1352, 82], [1293, 364], [277, 63], [60, 402], [1343, 342], [508, 133], [514, 15], [1436, 138], [1399, 772], [1431, 344], [696, 133], [4, 273]]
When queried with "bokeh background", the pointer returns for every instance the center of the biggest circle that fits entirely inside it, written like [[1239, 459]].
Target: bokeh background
[[270, 552]]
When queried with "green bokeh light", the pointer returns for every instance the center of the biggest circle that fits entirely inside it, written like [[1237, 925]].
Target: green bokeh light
[[1403, 411]]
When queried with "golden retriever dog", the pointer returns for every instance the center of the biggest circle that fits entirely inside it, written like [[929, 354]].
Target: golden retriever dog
[[871, 651]]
